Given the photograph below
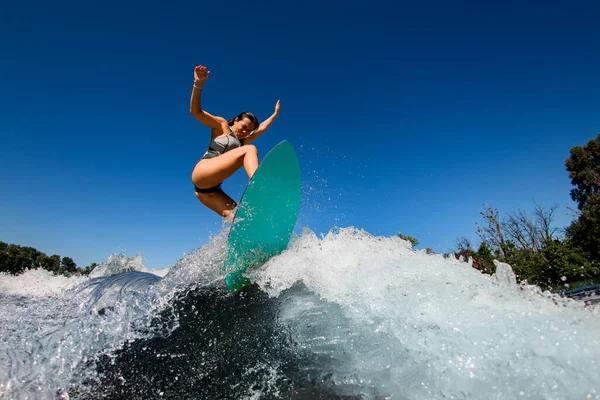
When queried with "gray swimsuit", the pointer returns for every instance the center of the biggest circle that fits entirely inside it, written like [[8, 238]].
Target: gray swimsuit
[[222, 144], [218, 146]]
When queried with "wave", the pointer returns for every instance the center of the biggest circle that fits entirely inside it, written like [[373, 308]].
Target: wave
[[344, 315]]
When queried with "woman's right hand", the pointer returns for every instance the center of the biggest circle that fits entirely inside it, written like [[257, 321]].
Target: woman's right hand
[[200, 75]]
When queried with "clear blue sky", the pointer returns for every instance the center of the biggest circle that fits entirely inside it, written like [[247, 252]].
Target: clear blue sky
[[407, 117]]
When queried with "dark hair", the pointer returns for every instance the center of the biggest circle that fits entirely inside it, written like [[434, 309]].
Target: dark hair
[[243, 115]]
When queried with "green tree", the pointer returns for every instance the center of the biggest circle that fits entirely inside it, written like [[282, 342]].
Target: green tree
[[3, 257], [584, 232], [88, 269], [531, 266], [484, 260], [584, 170], [50, 263], [568, 263], [16, 260], [67, 266], [411, 239], [31, 255]]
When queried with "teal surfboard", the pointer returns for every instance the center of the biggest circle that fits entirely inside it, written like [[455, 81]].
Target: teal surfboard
[[266, 215]]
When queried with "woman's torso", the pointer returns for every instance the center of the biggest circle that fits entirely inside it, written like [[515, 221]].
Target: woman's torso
[[222, 144]]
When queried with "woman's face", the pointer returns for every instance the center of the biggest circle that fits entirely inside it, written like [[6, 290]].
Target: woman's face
[[243, 127]]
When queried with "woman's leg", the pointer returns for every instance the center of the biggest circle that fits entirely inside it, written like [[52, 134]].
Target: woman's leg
[[210, 172], [219, 202]]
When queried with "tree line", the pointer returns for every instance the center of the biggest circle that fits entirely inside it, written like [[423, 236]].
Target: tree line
[[15, 259], [537, 250]]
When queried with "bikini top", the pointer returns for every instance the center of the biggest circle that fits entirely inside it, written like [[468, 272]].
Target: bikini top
[[222, 144]]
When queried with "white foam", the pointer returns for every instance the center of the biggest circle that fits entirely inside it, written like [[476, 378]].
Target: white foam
[[160, 272], [40, 283], [37, 282], [413, 325], [119, 263]]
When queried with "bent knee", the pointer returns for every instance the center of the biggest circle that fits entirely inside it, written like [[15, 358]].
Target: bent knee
[[250, 148]]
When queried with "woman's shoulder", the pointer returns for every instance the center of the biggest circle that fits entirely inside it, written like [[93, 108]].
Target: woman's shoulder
[[217, 132]]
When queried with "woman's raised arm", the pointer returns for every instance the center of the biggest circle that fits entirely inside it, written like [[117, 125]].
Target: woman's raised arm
[[200, 77], [264, 125]]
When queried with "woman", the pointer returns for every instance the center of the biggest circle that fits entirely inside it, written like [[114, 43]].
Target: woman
[[227, 152]]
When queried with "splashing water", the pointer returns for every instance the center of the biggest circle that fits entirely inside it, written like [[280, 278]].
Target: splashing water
[[346, 314], [423, 326]]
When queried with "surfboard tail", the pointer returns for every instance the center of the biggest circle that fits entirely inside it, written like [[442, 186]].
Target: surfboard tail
[[236, 281]]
